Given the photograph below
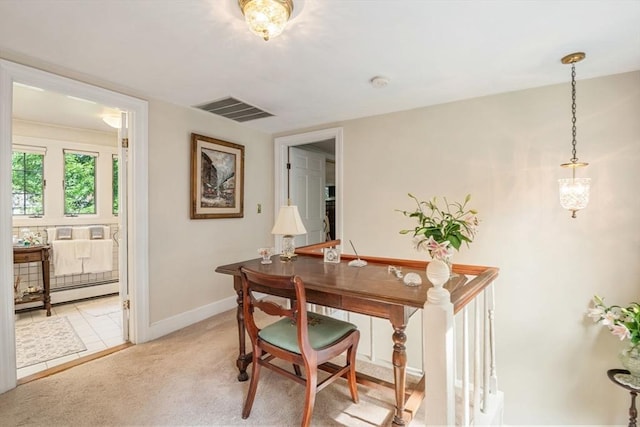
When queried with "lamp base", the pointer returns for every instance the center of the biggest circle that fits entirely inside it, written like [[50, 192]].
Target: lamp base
[[288, 257], [288, 248]]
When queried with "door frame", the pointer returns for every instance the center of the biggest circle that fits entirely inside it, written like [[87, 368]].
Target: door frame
[[281, 145], [138, 265]]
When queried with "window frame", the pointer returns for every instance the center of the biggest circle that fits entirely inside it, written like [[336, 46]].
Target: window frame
[[27, 149]]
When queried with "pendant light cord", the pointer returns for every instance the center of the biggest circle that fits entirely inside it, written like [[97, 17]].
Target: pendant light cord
[[574, 159], [288, 176]]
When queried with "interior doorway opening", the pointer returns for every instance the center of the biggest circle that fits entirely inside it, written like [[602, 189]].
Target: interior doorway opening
[[314, 183], [65, 199], [131, 237]]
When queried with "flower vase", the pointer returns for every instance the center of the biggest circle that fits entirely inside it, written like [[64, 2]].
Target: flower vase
[[630, 358]]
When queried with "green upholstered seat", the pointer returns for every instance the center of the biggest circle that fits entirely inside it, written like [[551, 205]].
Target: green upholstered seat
[[323, 331]]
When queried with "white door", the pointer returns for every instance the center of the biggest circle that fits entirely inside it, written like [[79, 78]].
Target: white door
[[123, 231], [307, 192]]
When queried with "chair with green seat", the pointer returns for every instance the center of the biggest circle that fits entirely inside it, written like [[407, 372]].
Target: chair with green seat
[[302, 338]]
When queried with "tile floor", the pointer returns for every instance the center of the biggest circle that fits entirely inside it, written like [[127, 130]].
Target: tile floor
[[95, 322]]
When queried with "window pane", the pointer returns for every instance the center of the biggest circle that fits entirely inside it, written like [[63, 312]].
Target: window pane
[[114, 184], [79, 184], [27, 178]]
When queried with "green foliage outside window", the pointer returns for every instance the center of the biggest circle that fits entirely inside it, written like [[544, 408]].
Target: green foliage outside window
[[79, 184], [27, 179], [114, 185]]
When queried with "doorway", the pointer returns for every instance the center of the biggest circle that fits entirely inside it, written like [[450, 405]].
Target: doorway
[[66, 181], [132, 229], [328, 141]]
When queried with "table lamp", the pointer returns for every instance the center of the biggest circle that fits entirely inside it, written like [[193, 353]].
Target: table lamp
[[288, 224]]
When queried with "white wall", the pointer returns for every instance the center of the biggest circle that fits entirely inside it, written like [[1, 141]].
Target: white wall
[[506, 150], [183, 253]]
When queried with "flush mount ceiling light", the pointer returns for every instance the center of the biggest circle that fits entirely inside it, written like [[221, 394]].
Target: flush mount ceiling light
[[574, 192], [115, 121], [266, 18]]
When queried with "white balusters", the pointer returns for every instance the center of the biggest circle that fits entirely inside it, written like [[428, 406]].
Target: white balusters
[[438, 347], [479, 401]]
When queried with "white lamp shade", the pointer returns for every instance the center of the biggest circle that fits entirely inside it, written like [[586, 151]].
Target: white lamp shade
[[289, 222], [574, 193]]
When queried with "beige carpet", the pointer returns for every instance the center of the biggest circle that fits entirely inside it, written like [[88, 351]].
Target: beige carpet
[[46, 340], [185, 378]]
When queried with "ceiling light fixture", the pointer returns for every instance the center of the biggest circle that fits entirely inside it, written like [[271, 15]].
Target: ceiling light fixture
[[266, 18], [574, 192], [113, 121]]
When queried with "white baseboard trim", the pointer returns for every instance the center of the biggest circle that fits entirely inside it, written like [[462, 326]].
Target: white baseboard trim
[[76, 294], [67, 295], [182, 320]]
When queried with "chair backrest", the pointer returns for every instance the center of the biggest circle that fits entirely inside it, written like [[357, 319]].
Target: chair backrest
[[289, 287]]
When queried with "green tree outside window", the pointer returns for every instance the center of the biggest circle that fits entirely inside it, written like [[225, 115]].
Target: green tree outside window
[[27, 179], [79, 184], [114, 184]]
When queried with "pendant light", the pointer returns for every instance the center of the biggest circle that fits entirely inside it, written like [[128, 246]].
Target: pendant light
[[574, 192], [288, 223]]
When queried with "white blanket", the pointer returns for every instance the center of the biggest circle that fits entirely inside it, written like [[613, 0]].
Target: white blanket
[[65, 260], [83, 248], [101, 258]]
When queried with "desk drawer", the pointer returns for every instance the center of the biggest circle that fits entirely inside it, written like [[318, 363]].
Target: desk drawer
[[19, 258]]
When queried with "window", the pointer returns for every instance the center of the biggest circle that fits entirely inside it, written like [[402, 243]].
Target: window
[[114, 184], [79, 182], [27, 179]]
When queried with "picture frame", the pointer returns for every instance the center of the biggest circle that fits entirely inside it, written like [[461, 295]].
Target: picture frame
[[332, 255], [217, 178]]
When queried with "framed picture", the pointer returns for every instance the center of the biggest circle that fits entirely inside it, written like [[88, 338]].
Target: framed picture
[[217, 178]]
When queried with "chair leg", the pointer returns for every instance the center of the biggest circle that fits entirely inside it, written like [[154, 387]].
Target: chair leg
[[310, 395], [351, 377], [253, 386], [296, 368]]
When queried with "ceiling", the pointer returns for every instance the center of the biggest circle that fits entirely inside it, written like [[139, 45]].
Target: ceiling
[[319, 70]]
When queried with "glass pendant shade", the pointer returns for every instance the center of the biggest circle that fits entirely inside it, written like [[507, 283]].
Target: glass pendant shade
[[266, 18], [574, 193]]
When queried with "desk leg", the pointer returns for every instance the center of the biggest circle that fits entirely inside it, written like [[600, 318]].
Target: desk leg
[[243, 359], [45, 282], [399, 369]]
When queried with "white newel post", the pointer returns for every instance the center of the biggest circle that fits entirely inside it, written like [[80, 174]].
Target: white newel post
[[438, 349]]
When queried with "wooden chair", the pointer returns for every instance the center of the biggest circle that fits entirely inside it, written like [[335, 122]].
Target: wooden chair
[[302, 338]]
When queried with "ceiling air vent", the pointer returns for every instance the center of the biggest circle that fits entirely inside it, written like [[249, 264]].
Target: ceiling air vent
[[234, 109]]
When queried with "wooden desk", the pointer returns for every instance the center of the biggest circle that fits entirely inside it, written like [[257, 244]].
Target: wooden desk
[[370, 290], [39, 253]]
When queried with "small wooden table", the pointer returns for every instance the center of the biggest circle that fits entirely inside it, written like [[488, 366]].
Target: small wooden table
[[38, 253], [618, 377]]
